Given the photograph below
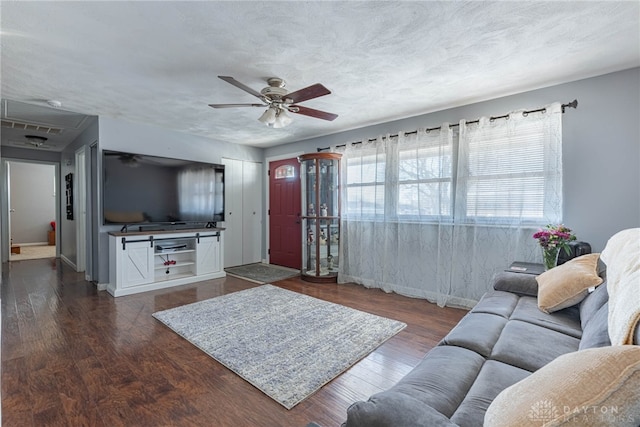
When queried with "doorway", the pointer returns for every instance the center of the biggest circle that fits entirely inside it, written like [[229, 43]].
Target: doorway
[[285, 228], [32, 196]]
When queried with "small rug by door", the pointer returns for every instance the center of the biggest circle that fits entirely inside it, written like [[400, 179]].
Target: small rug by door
[[262, 273], [286, 344]]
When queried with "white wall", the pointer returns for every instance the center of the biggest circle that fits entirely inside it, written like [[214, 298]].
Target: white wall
[[601, 147]]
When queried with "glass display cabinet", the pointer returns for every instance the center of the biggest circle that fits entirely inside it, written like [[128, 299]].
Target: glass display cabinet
[[320, 174]]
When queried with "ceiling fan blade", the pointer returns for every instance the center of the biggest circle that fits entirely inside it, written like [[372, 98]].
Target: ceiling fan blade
[[239, 85], [236, 105], [310, 92], [314, 113]]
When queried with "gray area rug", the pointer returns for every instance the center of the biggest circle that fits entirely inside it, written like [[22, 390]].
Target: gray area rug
[[286, 344], [262, 273]]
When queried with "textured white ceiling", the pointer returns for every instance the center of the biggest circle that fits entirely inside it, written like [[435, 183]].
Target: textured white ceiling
[[157, 62]]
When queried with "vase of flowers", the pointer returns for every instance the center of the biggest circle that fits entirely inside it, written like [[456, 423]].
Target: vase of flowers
[[552, 239]]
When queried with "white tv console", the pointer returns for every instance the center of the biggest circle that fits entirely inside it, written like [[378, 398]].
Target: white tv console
[[145, 261]]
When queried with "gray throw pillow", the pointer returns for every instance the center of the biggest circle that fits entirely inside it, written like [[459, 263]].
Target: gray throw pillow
[[592, 303], [596, 333]]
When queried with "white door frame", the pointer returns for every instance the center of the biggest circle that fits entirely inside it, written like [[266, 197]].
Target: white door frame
[[5, 243], [80, 201]]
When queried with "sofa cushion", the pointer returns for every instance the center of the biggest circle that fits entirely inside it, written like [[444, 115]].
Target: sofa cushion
[[493, 378], [566, 320], [596, 333], [394, 410], [580, 388], [477, 332], [497, 302], [592, 303], [567, 284], [530, 347], [517, 283], [442, 378]]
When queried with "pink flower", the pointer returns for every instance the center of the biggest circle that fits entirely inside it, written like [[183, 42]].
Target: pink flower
[[554, 236]]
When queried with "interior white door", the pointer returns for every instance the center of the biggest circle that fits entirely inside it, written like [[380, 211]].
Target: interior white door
[[233, 212], [251, 212]]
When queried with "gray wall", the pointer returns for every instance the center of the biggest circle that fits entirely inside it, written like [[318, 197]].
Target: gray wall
[[601, 147], [120, 135], [33, 199], [68, 231], [30, 154]]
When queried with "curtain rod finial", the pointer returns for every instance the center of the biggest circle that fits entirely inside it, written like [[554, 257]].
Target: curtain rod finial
[[572, 104]]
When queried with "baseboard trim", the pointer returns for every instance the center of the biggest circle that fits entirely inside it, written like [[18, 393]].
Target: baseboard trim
[[69, 262]]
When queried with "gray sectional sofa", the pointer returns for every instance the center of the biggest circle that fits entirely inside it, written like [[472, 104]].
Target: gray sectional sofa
[[501, 341]]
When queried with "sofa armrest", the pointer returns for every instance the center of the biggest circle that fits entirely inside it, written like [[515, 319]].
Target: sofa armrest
[[517, 283], [394, 410]]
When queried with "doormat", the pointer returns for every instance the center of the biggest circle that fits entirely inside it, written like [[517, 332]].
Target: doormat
[[261, 273], [286, 344]]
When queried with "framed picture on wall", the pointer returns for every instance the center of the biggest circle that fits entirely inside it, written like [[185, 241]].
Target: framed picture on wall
[[68, 179]]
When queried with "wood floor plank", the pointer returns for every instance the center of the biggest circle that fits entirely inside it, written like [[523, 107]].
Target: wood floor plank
[[74, 356]]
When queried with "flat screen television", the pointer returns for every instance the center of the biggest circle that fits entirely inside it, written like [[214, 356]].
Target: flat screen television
[[143, 189]]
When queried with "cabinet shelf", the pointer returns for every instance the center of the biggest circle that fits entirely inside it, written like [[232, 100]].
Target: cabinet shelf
[[171, 252], [177, 264]]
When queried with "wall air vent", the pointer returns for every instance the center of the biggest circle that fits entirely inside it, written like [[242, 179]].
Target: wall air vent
[[31, 127]]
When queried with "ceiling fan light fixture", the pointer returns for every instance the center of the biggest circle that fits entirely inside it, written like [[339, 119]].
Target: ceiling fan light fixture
[[35, 140], [268, 117], [282, 120], [54, 103]]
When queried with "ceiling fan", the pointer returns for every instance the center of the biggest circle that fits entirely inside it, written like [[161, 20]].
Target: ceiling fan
[[279, 101], [127, 159]]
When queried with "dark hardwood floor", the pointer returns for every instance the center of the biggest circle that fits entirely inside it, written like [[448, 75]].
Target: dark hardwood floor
[[73, 356]]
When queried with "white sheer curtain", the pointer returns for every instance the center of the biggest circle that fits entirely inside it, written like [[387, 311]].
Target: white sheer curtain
[[509, 183], [397, 228], [435, 214]]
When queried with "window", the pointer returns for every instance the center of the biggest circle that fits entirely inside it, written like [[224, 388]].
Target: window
[[425, 166], [285, 171], [509, 171], [501, 171], [365, 187], [403, 178]]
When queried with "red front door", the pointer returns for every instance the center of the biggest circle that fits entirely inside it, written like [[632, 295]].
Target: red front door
[[285, 233]]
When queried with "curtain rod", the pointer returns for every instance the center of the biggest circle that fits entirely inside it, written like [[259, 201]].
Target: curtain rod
[[572, 104]]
